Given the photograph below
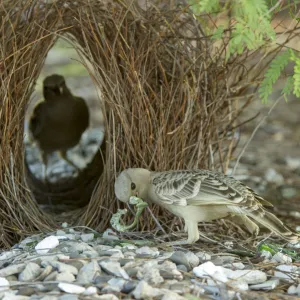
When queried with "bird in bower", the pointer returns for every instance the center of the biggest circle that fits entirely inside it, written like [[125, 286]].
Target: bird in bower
[[201, 196], [58, 122]]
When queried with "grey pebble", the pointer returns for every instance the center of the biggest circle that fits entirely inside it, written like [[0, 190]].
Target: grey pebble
[[47, 297], [78, 264], [111, 289], [144, 291], [129, 247], [203, 256], [180, 288], [87, 237], [91, 254], [45, 272], [124, 261], [65, 276], [51, 276], [75, 254], [129, 286], [26, 291], [62, 267], [102, 247], [102, 279], [107, 297], [11, 270], [60, 233], [146, 251], [222, 260], [129, 254], [89, 272], [150, 274], [266, 286], [131, 271], [188, 259], [31, 271], [114, 268], [182, 268], [68, 297]]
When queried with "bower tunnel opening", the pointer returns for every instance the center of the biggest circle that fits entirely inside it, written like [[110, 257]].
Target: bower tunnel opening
[[64, 183]]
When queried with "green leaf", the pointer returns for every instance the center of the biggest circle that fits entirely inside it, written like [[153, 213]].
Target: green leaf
[[296, 77], [217, 35], [207, 6], [288, 87], [272, 74]]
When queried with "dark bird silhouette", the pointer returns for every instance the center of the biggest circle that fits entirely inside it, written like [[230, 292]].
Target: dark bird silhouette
[[58, 122]]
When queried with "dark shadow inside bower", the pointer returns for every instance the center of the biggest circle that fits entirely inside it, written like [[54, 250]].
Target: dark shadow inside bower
[[66, 187]]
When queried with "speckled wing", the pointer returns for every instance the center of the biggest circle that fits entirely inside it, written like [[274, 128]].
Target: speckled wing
[[202, 187]]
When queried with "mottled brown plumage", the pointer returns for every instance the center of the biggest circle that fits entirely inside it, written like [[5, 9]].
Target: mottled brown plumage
[[58, 122]]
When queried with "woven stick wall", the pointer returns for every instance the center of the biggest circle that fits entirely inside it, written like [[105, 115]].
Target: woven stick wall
[[169, 100]]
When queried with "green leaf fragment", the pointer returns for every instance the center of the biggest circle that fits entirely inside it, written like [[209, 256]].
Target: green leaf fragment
[[273, 74]]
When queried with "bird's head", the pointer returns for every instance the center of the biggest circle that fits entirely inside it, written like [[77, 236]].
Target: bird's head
[[132, 182], [54, 85]]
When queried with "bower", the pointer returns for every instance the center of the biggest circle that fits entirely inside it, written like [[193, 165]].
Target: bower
[[170, 97]]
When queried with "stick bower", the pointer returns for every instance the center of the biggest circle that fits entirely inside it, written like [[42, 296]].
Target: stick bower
[[165, 88]]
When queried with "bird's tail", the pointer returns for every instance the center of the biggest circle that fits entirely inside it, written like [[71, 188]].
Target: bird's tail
[[271, 222]]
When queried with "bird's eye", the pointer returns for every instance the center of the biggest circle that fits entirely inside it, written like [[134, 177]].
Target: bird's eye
[[133, 186]]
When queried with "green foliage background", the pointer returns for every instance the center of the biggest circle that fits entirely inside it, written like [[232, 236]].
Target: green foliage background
[[250, 28]]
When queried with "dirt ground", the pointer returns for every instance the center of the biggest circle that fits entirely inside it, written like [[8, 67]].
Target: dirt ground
[[271, 161]]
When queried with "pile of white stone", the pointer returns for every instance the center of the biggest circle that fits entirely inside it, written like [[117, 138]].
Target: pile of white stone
[[57, 168], [70, 264]]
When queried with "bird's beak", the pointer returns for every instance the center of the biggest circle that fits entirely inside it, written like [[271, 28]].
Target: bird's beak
[[61, 89]]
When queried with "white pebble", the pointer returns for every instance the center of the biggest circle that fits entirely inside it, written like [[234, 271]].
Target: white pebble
[[292, 290], [266, 286], [295, 245], [239, 284], [107, 297], [266, 254], [71, 288], [47, 244], [208, 269], [64, 225], [283, 276], [281, 258], [87, 237], [91, 290], [4, 284], [287, 268], [250, 276], [203, 256]]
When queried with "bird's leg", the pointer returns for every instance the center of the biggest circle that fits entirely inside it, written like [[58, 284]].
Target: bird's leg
[[63, 155], [193, 234]]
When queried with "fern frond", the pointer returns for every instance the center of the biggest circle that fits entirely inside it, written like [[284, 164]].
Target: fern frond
[[288, 87], [207, 6], [272, 74], [217, 35], [253, 26], [296, 77]]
